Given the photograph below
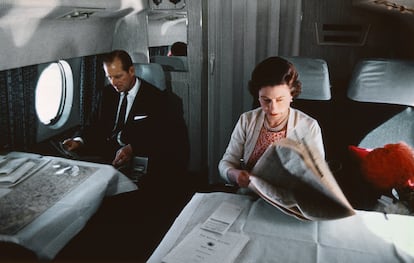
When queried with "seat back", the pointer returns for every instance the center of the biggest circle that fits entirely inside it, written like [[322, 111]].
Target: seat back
[[385, 83], [315, 97], [171, 63], [379, 112], [178, 146], [314, 75], [151, 73]]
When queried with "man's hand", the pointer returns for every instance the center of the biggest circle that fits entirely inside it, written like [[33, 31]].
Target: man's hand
[[71, 144], [123, 156]]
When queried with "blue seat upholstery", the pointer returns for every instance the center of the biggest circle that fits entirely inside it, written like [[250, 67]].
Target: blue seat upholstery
[[153, 73], [379, 82], [179, 147], [314, 75], [383, 81], [316, 94], [378, 112], [172, 63]]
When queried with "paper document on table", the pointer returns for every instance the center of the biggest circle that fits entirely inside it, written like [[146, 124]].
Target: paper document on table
[[221, 220], [201, 246], [15, 169], [8, 165]]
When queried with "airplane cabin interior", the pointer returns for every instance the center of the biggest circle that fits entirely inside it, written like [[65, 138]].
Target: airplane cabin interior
[[355, 60]]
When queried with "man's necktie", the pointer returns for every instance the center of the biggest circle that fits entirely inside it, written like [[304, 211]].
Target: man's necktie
[[122, 112]]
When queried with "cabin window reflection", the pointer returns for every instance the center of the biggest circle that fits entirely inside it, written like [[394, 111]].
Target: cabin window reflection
[[54, 85], [159, 51]]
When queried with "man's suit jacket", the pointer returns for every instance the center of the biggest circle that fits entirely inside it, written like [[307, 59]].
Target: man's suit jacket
[[154, 128]]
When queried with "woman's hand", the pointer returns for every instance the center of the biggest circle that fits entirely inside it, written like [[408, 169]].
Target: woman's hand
[[241, 177]]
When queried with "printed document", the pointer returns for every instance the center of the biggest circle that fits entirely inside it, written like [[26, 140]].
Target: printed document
[[202, 246]]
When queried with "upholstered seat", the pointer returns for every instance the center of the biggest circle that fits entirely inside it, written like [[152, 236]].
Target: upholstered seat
[[382, 82], [314, 75], [153, 73], [171, 63], [315, 98], [379, 111]]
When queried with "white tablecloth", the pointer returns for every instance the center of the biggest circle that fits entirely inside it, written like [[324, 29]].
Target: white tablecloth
[[54, 228], [277, 237]]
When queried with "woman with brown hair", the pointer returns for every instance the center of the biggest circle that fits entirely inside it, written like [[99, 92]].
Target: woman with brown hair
[[274, 83]]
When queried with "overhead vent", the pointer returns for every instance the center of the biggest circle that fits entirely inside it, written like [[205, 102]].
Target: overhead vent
[[166, 16], [341, 34], [80, 13]]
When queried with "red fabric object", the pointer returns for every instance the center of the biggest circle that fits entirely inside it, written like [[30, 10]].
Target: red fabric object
[[359, 152], [391, 166]]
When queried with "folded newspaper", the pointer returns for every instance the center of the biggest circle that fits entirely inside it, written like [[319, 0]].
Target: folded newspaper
[[295, 178]]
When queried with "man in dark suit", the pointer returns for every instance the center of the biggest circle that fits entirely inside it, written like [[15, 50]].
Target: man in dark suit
[[154, 127], [149, 128]]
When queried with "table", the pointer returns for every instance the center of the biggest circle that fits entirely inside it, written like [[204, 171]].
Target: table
[[277, 237], [57, 224]]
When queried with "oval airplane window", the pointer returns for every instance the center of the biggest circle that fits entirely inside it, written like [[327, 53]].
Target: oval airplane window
[[54, 93]]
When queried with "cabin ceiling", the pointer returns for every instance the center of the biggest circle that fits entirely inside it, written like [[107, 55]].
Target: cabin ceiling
[[39, 31], [402, 10], [403, 7], [60, 9]]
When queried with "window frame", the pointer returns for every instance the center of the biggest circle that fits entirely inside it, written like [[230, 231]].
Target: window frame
[[66, 98]]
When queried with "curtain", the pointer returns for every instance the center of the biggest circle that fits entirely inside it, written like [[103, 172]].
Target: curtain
[[17, 108], [92, 78], [241, 33], [18, 120]]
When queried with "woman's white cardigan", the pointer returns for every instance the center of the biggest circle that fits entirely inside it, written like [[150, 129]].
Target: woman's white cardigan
[[247, 130]]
